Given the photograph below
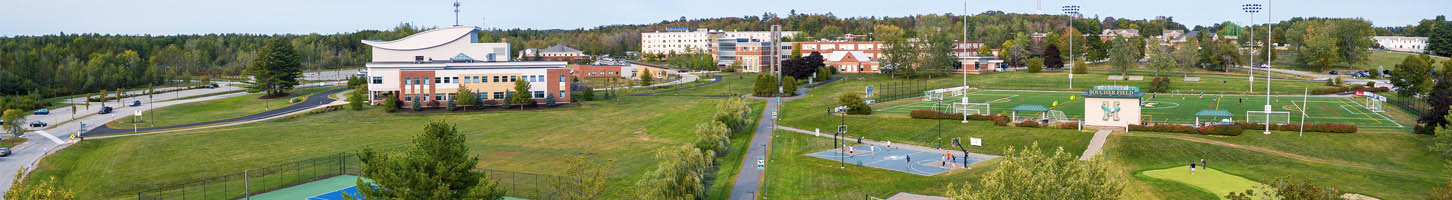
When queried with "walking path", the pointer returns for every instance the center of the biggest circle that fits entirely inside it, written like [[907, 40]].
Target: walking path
[[1096, 145], [894, 145], [748, 180]]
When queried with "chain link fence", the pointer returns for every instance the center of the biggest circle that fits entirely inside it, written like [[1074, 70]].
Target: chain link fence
[[1414, 106]]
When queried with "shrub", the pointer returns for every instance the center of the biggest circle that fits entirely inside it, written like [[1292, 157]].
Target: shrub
[[789, 86], [1226, 130], [451, 106], [1159, 84], [1339, 90], [391, 104], [1068, 125], [854, 104], [765, 85], [1310, 127], [1035, 65], [1080, 67], [1027, 123]]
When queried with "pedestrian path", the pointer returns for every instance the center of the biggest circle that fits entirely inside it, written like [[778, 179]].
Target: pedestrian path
[[894, 145], [1096, 145]]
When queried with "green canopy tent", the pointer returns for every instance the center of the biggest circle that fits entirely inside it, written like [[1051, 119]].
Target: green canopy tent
[[1027, 108], [1211, 114]]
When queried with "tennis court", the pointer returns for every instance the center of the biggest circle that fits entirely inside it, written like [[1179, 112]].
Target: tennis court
[[1166, 108], [326, 189], [896, 159]]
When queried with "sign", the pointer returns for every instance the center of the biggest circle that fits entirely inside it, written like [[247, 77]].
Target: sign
[[760, 162], [1360, 93], [841, 128], [1372, 96], [869, 91], [975, 141], [1114, 92], [138, 113]]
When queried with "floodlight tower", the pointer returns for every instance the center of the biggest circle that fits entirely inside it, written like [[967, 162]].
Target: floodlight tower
[[1252, 8], [964, 68], [1072, 11], [1267, 65]]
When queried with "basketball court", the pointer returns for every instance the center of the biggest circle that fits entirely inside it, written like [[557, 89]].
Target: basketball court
[[1170, 108], [326, 189], [896, 159]]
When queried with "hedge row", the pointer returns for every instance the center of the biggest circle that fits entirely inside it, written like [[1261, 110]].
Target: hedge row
[[1310, 127], [930, 114], [1226, 130], [1339, 90]]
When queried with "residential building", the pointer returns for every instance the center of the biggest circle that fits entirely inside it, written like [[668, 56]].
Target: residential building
[[1110, 34], [430, 66], [678, 40], [847, 56], [851, 62], [558, 52], [1402, 43]]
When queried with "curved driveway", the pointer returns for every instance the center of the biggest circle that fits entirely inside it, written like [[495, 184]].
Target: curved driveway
[[312, 101]]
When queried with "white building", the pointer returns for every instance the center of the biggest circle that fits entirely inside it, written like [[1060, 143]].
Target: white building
[[1402, 43], [430, 66], [699, 41]]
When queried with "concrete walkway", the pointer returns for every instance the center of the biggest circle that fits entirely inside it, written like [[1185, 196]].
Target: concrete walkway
[[1096, 145], [985, 157]]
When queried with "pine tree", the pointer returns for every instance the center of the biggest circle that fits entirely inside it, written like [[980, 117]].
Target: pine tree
[[522, 94], [646, 78], [276, 68], [437, 166]]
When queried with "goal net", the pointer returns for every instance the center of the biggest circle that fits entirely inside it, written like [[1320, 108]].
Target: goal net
[[1276, 117], [1057, 115], [939, 94], [973, 108], [1374, 105]]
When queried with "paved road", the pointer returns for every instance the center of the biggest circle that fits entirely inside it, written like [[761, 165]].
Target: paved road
[[748, 180], [43, 140], [312, 101], [329, 75]]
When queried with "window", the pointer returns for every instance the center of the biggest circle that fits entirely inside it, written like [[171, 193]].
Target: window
[[539, 94], [456, 79], [451, 96], [498, 95], [513, 78], [439, 97], [438, 80], [562, 94], [408, 97], [377, 80], [562, 78], [482, 95], [407, 81], [496, 78]]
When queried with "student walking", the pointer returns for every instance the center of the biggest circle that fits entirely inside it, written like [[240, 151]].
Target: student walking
[[1192, 167], [1203, 165]]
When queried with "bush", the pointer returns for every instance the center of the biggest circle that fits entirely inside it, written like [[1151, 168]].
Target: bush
[[1159, 84], [1339, 90], [854, 104], [1226, 130], [1080, 67], [765, 85], [26, 102], [1027, 123], [789, 86], [451, 106], [391, 104], [930, 114], [1334, 81], [1035, 65], [1068, 125]]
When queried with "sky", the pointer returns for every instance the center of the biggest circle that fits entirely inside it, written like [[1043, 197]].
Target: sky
[[169, 17]]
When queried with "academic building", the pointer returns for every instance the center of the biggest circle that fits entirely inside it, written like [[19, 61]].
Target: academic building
[[430, 66]]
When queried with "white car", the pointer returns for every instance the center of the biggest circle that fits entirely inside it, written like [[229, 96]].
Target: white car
[[773, 115]]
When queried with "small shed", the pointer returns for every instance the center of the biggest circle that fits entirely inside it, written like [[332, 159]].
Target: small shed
[[1207, 113], [1029, 108]]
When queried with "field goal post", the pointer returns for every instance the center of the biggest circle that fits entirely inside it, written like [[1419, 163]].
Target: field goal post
[[1276, 117]]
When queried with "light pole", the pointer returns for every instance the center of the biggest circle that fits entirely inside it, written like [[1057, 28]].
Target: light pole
[[1267, 69], [1071, 11], [1252, 9]]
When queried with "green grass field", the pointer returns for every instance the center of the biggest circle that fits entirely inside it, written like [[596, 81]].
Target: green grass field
[[628, 131], [1173, 109], [212, 110], [1388, 60], [1209, 180]]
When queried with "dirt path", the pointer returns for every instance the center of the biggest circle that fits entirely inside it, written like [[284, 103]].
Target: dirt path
[[1288, 155]]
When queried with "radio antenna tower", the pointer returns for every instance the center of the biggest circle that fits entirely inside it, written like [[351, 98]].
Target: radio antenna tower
[[456, 12]]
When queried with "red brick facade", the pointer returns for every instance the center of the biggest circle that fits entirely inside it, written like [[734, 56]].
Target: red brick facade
[[596, 71]]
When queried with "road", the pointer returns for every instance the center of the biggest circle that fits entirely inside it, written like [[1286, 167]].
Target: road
[[311, 101], [43, 140]]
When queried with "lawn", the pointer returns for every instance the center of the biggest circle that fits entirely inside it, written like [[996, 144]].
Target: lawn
[[10, 142], [1388, 60], [1383, 165], [627, 131], [731, 83], [1209, 180], [211, 110]]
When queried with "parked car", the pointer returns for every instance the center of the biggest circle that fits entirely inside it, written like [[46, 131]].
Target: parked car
[[1333, 72], [4, 152], [135, 103], [105, 110], [38, 124], [42, 111]]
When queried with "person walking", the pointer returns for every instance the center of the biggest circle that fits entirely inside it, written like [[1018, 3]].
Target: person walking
[[1203, 165], [1192, 167]]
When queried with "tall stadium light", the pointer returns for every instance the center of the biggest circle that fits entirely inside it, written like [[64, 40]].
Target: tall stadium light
[[1071, 11], [1267, 66], [1252, 9], [964, 68]]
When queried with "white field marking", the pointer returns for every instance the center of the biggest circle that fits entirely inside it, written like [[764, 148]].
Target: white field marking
[[1383, 116], [1348, 110], [51, 137]]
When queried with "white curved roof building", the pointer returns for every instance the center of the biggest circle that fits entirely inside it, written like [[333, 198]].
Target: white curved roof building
[[439, 44]]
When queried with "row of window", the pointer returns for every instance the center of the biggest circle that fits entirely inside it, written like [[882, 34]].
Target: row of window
[[602, 73], [482, 95], [469, 79]]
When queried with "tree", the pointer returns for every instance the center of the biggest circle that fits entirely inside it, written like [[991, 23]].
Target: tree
[[1439, 99], [418, 102], [734, 113], [1185, 55], [48, 189], [855, 104], [1412, 77], [680, 174], [802, 67], [1320, 51], [276, 68], [466, 96], [1080, 67], [1440, 41], [356, 98], [898, 55], [646, 77], [940, 57], [713, 136], [583, 179], [1122, 56], [390, 103], [765, 85], [14, 118], [1035, 65], [521, 94], [1031, 174], [984, 51], [1161, 59], [437, 166], [1051, 57], [1288, 188], [1442, 143]]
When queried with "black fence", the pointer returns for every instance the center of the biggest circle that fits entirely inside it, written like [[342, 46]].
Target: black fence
[[255, 181], [1415, 106], [261, 180], [893, 90]]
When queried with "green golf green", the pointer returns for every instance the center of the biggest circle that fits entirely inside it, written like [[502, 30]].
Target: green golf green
[[1209, 180]]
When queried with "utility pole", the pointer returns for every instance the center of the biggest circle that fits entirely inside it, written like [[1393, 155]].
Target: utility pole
[[1267, 72]]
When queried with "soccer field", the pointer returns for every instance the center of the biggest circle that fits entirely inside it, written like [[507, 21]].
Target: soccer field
[[1178, 109]]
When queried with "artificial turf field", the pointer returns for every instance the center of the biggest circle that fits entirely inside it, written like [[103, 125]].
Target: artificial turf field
[[1169, 108]]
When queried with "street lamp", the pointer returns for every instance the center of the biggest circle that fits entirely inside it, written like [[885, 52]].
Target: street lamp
[[1267, 66]]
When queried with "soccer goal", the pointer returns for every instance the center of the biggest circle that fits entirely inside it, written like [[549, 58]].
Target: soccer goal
[[1057, 115], [973, 108], [1276, 117]]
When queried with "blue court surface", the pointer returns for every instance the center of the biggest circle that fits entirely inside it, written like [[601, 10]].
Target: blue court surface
[[336, 195], [922, 163]]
